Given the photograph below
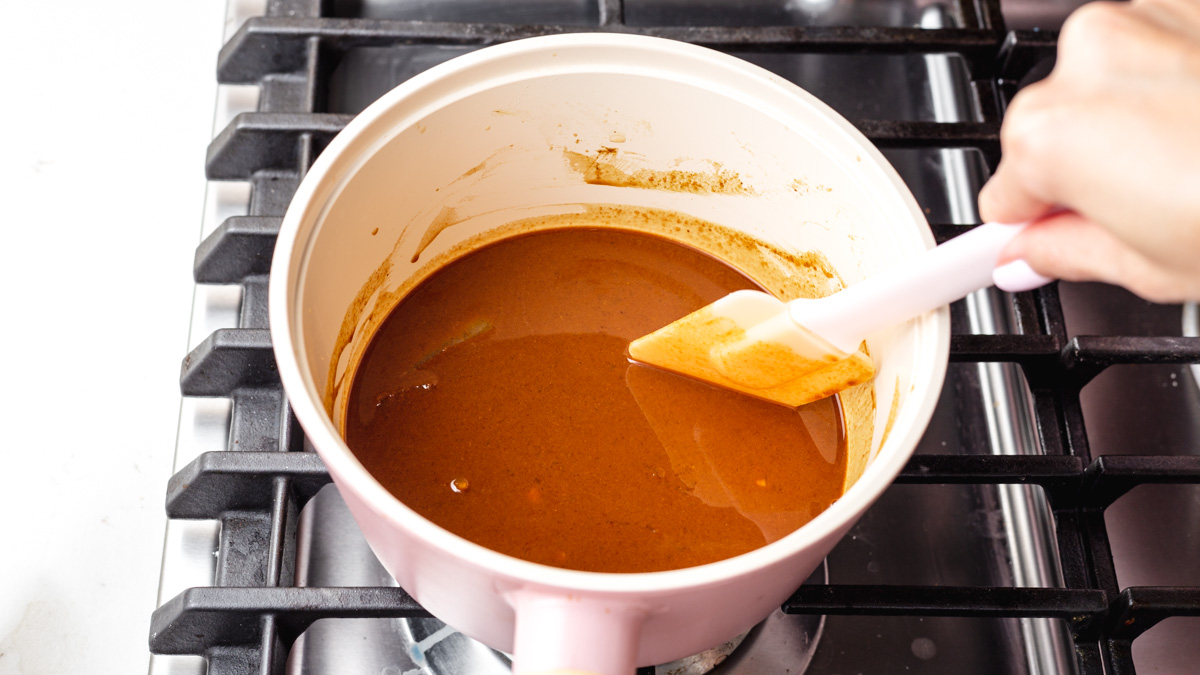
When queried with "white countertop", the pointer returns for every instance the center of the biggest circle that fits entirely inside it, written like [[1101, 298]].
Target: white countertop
[[109, 109]]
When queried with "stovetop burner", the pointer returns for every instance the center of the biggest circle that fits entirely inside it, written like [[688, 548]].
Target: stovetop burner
[[335, 554], [1045, 525]]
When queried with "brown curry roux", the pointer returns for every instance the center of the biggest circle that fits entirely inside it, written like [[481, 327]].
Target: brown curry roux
[[497, 401]]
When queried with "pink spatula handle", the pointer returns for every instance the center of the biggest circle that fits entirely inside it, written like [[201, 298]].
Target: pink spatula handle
[[938, 277]]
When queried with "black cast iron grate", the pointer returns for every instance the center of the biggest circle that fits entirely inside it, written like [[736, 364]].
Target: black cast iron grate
[[247, 621]]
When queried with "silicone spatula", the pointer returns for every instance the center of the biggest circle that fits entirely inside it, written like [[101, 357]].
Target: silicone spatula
[[804, 350]]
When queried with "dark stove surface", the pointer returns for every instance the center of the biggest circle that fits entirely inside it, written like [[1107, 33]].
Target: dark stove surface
[[1048, 523]]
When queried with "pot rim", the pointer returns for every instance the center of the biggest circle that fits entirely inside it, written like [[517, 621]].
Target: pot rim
[[437, 87]]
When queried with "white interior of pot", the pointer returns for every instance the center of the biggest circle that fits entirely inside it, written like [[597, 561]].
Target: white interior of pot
[[493, 151]]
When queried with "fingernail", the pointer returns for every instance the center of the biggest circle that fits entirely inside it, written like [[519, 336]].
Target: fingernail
[[1018, 276]]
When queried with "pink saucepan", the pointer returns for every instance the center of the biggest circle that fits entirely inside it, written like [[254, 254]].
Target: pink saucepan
[[440, 164]]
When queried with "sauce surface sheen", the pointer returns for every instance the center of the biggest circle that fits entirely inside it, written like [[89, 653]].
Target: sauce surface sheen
[[497, 401]]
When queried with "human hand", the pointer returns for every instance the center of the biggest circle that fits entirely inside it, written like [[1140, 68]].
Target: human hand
[[1113, 134]]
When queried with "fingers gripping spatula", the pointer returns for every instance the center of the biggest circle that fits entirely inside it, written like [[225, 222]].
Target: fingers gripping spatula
[[800, 351]]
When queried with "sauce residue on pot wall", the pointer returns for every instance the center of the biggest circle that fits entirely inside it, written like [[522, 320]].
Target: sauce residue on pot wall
[[609, 167]]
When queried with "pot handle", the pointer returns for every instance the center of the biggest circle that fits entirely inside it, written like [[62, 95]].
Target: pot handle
[[561, 634]]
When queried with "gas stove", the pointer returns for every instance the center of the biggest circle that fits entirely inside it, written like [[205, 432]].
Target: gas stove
[[1048, 522]]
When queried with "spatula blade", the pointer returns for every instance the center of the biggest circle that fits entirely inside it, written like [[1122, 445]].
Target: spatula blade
[[732, 343]]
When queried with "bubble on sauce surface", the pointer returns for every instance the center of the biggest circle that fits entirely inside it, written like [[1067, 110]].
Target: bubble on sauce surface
[[924, 648], [460, 485]]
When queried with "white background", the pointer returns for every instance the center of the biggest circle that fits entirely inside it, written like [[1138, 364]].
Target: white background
[[107, 111]]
